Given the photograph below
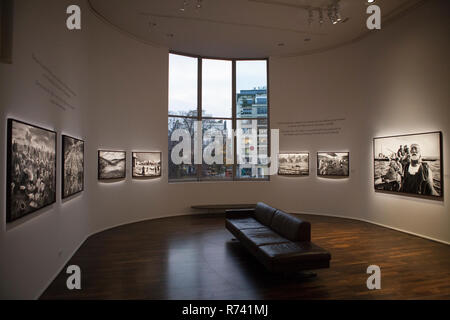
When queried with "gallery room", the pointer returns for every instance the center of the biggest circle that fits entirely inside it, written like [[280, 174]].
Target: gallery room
[[226, 150]]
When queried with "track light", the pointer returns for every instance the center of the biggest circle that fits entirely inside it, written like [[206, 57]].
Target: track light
[[321, 16]]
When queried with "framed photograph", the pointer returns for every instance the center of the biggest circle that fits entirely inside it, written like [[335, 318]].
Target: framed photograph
[[409, 164], [31, 169], [111, 164], [333, 164], [293, 164], [146, 164], [72, 166]]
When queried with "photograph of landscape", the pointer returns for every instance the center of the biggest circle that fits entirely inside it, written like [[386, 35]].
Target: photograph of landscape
[[111, 165], [31, 169], [295, 164]]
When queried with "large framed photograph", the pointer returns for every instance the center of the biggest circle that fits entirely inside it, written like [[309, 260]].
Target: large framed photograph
[[333, 164], [146, 164], [111, 164], [31, 169], [293, 164], [409, 164], [72, 166]]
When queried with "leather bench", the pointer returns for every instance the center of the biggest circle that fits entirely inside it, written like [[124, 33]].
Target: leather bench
[[280, 241]]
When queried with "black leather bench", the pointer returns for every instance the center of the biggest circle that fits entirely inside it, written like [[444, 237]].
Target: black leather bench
[[280, 241]]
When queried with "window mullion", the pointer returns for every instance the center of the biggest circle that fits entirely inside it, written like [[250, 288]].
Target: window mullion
[[233, 114]]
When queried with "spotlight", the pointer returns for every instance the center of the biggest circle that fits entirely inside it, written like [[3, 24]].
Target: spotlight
[[337, 15]]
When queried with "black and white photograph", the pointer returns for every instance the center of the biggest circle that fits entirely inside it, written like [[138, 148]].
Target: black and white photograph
[[146, 164], [31, 169], [293, 164], [111, 164], [410, 164], [333, 164], [72, 166]]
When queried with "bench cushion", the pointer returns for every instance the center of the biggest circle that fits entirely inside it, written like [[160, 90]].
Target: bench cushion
[[264, 213], [262, 236], [245, 223], [293, 256], [291, 227], [298, 251]]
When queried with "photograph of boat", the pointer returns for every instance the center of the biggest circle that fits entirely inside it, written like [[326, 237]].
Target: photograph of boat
[[409, 164]]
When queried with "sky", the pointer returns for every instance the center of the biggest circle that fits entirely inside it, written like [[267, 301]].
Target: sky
[[217, 80], [39, 138], [429, 144]]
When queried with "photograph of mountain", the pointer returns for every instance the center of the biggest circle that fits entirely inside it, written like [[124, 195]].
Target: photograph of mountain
[[111, 165]]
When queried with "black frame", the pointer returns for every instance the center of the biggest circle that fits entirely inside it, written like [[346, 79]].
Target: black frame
[[233, 118], [145, 177], [9, 167], [294, 175], [441, 154], [333, 175], [98, 165], [63, 166]]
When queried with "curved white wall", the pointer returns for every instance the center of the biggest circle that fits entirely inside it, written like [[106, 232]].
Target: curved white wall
[[392, 82]]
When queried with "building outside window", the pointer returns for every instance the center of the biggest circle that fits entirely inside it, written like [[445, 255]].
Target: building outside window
[[201, 102]]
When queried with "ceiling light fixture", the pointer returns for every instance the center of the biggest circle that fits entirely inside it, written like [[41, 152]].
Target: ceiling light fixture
[[198, 4]]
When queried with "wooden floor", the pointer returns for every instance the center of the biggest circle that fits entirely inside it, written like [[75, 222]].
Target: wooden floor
[[194, 257]]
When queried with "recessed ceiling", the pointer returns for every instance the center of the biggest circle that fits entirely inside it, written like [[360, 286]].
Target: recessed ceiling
[[242, 28]]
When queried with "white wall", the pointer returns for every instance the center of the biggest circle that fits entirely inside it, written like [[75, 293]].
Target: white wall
[[122, 87], [33, 248], [392, 82]]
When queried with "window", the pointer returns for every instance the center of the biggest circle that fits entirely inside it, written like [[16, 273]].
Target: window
[[221, 107]]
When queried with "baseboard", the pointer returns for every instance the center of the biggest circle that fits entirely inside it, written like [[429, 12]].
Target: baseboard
[[372, 222]]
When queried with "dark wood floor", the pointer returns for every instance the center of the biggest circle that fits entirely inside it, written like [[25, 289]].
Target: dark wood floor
[[193, 257]]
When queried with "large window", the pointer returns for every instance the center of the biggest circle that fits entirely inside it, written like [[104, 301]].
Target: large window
[[218, 119]]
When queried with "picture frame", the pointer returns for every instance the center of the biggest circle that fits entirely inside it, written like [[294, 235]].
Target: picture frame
[[31, 169], [111, 164], [293, 164], [333, 164], [146, 164], [72, 168], [417, 170]]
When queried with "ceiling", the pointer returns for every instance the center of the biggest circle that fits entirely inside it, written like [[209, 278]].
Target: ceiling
[[242, 28]]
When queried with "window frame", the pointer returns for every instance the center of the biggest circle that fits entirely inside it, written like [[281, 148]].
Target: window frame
[[233, 119]]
